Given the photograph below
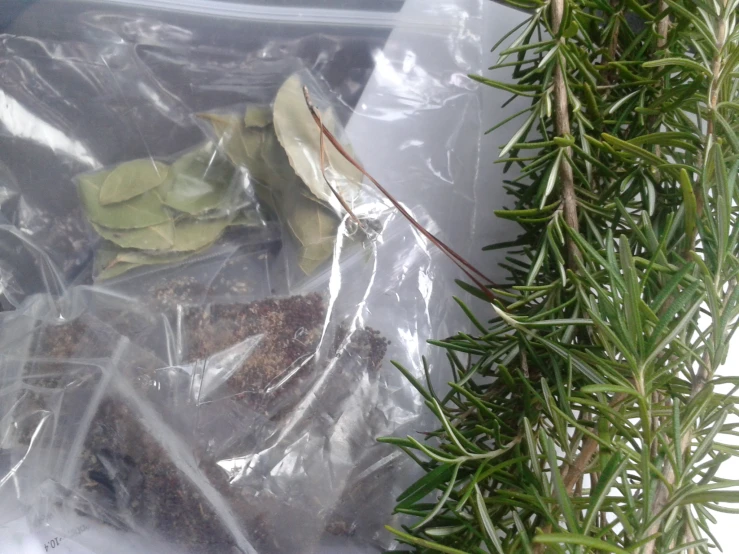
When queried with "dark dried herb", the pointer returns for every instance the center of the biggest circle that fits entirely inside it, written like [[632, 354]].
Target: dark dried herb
[[290, 329], [126, 471], [366, 344], [131, 464]]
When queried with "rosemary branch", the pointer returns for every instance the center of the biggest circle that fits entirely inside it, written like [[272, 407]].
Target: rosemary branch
[[562, 126], [596, 367]]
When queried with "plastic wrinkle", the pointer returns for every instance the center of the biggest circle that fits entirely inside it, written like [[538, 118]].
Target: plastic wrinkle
[[195, 352]]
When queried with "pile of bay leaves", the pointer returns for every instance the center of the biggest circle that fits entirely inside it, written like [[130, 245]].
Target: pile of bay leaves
[[149, 212]]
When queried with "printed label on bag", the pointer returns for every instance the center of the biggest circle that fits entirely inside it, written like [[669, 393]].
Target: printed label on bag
[[18, 538], [57, 541]]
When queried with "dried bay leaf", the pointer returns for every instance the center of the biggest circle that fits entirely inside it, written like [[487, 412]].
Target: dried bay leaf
[[313, 225], [104, 256], [266, 196], [268, 166], [200, 182], [257, 116], [156, 237], [140, 257], [253, 142], [192, 234], [300, 137], [130, 179], [144, 210], [115, 271], [114, 262], [106, 266], [247, 218], [311, 257], [228, 129], [276, 158]]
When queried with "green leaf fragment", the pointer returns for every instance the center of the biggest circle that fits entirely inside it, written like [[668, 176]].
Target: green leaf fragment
[[144, 210], [200, 182], [257, 116], [115, 271], [138, 257], [131, 179], [112, 261], [228, 129], [300, 136], [191, 234], [156, 237], [313, 225], [247, 218]]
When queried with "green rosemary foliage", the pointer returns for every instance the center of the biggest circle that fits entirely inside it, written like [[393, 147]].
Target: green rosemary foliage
[[587, 415]]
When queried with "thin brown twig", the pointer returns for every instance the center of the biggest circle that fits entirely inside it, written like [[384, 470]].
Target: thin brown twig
[[469, 270], [573, 473], [663, 26], [562, 127], [322, 159]]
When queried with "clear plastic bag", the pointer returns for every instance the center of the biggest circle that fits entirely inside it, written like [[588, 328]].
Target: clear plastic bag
[[224, 398]]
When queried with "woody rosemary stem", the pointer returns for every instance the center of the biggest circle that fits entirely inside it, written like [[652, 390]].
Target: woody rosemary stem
[[562, 127], [662, 492], [586, 413]]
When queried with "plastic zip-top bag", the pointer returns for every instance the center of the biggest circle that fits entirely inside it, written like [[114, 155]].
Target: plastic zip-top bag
[[203, 293]]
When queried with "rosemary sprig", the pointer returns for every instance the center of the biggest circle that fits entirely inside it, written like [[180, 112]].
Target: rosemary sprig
[[585, 416]]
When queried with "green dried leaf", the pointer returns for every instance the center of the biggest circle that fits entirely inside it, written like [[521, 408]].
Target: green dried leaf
[[144, 210], [192, 234], [200, 182], [247, 218], [313, 225], [104, 256], [282, 174], [254, 141], [115, 271], [140, 257], [156, 237], [228, 129], [112, 261], [257, 116], [130, 179], [300, 136]]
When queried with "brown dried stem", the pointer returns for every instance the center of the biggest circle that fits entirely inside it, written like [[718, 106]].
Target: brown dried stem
[[562, 128], [322, 153], [476, 276], [573, 473]]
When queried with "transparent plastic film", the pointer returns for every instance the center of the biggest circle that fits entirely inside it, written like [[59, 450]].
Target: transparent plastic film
[[201, 294]]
